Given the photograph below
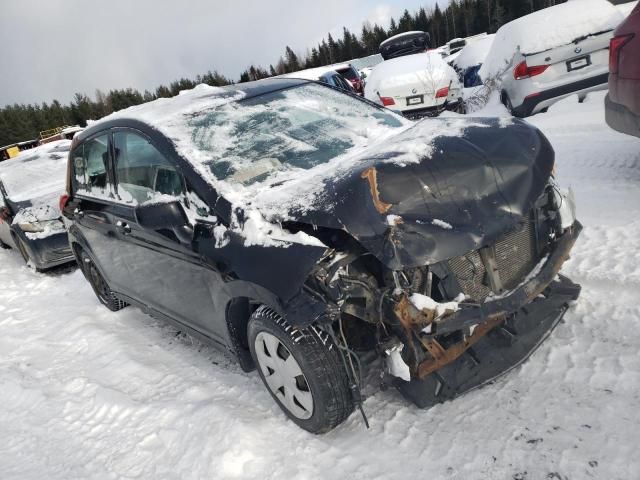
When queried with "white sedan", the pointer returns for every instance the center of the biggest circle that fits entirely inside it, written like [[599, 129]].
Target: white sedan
[[416, 85]]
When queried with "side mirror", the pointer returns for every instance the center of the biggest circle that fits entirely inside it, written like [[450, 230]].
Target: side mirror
[[165, 216]]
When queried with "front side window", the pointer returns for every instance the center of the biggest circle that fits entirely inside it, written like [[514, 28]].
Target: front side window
[[142, 172], [90, 164]]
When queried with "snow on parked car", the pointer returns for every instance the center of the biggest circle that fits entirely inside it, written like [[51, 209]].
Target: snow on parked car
[[469, 60], [324, 74], [416, 85], [552, 53], [30, 219]]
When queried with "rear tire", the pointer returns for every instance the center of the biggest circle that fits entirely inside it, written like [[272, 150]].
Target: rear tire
[[302, 370], [100, 286], [506, 101]]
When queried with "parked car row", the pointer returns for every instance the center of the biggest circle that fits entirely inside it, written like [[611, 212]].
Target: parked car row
[[567, 49]]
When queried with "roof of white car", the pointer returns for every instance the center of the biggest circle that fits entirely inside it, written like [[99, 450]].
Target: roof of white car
[[315, 73]]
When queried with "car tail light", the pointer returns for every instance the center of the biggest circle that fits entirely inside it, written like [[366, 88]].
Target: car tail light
[[443, 92], [523, 70], [614, 51], [387, 101], [64, 199]]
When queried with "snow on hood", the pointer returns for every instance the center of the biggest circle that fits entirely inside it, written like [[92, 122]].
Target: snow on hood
[[549, 28], [427, 68], [474, 53], [36, 173]]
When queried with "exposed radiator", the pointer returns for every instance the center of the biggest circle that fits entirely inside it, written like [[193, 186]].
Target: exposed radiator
[[515, 256]]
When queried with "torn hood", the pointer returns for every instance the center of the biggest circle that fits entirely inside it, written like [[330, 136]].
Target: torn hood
[[464, 193]]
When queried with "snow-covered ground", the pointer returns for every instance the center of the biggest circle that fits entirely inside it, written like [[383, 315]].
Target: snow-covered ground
[[86, 393]]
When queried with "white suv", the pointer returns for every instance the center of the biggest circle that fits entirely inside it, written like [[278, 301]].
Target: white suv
[[553, 53]]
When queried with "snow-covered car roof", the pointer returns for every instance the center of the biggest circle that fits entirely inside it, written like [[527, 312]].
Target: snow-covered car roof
[[549, 28], [403, 70], [316, 73], [37, 172], [474, 53]]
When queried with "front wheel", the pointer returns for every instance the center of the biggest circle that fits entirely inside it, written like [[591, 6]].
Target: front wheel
[[100, 286], [302, 369]]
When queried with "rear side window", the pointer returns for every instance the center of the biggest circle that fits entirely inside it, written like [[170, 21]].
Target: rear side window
[[142, 172], [90, 164]]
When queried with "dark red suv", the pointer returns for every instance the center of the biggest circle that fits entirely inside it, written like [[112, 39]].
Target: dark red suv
[[623, 101]]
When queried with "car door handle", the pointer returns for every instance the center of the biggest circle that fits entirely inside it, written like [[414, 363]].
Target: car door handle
[[123, 227]]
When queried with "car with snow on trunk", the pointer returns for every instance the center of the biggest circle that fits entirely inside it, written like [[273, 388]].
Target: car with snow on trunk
[[30, 219], [550, 54], [309, 232], [416, 85]]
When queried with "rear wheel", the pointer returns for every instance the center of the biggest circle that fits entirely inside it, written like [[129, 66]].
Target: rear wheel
[[506, 101], [303, 371], [100, 286]]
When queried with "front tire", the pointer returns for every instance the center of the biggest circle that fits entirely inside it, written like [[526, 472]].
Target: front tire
[[100, 286], [302, 369]]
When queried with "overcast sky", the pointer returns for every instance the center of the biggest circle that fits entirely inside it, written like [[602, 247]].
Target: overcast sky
[[50, 49]]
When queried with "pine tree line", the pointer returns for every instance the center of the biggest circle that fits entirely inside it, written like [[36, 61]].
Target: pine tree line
[[20, 122], [462, 18]]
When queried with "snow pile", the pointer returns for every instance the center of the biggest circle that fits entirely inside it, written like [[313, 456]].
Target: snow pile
[[422, 302], [474, 53], [427, 69], [441, 223], [549, 28]]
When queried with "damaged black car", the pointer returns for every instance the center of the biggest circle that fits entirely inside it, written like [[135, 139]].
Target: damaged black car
[[312, 234]]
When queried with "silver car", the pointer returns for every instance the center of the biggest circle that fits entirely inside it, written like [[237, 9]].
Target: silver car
[[548, 55]]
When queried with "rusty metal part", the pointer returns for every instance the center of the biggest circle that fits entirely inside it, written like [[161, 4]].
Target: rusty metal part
[[371, 175], [441, 357], [411, 317]]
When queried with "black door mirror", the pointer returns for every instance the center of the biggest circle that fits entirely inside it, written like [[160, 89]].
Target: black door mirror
[[165, 216]]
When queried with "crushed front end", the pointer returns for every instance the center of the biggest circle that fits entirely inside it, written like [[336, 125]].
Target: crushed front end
[[451, 326]]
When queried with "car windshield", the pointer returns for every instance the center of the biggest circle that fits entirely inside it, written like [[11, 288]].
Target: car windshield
[[293, 129], [36, 172]]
